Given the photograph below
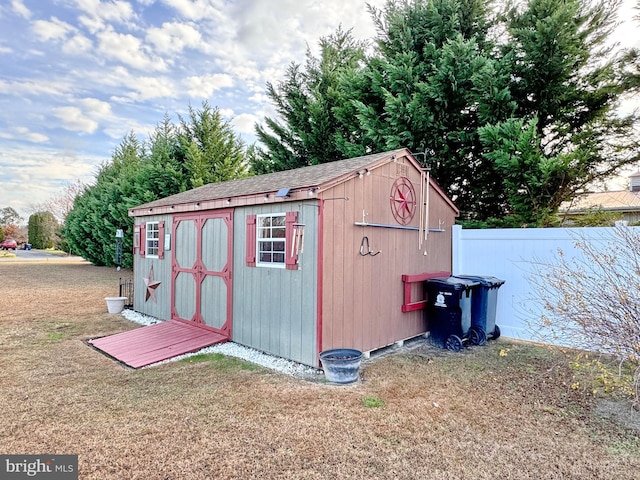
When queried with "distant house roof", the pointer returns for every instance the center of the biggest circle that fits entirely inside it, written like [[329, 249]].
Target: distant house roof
[[619, 200], [236, 192]]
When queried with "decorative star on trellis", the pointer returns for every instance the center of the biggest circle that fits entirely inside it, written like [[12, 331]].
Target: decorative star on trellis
[[151, 286]]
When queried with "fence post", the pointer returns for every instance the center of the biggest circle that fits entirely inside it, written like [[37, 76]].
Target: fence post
[[456, 247]]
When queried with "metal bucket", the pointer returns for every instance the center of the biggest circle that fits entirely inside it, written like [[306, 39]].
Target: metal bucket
[[341, 365]]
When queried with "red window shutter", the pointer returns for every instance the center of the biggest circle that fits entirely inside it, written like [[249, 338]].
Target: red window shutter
[[290, 257], [143, 239], [250, 256], [160, 240]]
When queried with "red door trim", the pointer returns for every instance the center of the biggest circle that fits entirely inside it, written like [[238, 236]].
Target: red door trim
[[198, 270]]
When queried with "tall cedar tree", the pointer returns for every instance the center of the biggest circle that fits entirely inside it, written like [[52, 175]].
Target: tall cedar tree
[[202, 149], [212, 151], [42, 230], [567, 82], [305, 101], [433, 82], [465, 88]]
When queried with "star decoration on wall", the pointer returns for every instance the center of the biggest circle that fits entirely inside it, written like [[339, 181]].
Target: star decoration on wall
[[151, 286], [403, 200]]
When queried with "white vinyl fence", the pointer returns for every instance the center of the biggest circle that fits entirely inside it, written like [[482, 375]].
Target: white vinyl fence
[[511, 255]]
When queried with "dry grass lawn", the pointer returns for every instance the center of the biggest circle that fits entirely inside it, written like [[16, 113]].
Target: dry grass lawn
[[505, 411]]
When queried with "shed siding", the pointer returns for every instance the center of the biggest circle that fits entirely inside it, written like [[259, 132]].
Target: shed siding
[[161, 308], [363, 295], [274, 309]]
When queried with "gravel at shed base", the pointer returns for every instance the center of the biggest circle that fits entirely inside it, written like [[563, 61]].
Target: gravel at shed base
[[231, 349]]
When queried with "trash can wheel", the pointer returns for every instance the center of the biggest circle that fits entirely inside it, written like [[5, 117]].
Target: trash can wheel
[[496, 333], [454, 343], [477, 336]]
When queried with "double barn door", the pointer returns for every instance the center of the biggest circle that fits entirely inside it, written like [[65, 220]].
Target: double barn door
[[201, 269]]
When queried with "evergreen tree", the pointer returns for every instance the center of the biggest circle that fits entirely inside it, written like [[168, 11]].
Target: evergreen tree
[[464, 87], [306, 101], [42, 230], [101, 209], [212, 151], [567, 83], [202, 149]]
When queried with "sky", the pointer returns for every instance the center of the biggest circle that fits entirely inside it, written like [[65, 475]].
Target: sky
[[76, 76]]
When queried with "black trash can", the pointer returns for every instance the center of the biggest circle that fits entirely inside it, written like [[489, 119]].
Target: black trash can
[[483, 304], [449, 302]]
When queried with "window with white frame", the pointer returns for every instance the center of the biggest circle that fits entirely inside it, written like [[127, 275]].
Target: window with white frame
[[271, 234], [152, 239]]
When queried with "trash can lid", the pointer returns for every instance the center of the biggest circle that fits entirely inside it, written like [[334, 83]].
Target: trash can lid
[[485, 280], [453, 283]]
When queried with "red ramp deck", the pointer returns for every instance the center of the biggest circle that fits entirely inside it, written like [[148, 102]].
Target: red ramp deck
[[154, 343]]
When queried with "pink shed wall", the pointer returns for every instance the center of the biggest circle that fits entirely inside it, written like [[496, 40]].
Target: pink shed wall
[[362, 296]]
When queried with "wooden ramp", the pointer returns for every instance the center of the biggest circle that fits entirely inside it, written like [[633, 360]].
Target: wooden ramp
[[154, 343]]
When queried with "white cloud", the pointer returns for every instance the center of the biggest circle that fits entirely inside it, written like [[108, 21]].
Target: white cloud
[[20, 9], [93, 24], [95, 108], [197, 9], [31, 176], [205, 85], [23, 133], [77, 45], [174, 37], [47, 87], [129, 50], [54, 29], [73, 118], [85, 115], [112, 11], [245, 123], [4, 50], [31, 136], [147, 88]]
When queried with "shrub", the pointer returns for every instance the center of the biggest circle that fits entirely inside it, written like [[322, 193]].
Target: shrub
[[594, 299]]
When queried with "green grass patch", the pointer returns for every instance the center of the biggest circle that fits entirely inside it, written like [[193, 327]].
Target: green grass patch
[[373, 402], [221, 362], [56, 332], [629, 445], [55, 336]]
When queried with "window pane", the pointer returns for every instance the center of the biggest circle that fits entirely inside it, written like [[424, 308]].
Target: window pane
[[278, 246], [265, 257], [266, 222], [266, 246], [278, 232], [278, 257]]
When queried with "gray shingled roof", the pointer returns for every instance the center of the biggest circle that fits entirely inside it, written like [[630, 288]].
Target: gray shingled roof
[[304, 177]]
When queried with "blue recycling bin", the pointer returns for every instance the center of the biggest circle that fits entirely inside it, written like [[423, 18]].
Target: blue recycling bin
[[449, 302], [484, 303]]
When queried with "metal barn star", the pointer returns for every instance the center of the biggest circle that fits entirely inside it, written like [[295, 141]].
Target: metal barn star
[[151, 286]]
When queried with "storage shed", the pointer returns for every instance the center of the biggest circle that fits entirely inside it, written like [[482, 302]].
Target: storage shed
[[301, 261]]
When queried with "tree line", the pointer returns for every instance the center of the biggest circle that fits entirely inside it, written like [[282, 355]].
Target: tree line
[[513, 107], [202, 148]]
